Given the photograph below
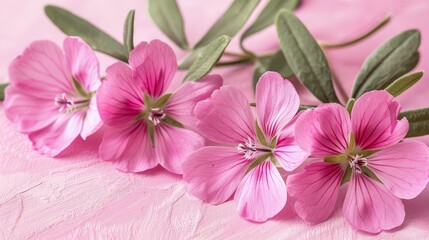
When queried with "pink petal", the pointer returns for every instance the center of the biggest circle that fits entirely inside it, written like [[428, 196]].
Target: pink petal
[[261, 194], [214, 173], [41, 71], [402, 168], [374, 121], [82, 63], [226, 117], [36, 77], [182, 103], [92, 121], [54, 138], [316, 190], [287, 151], [370, 207], [28, 113], [119, 99], [276, 103], [173, 145], [154, 65], [139, 54], [129, 148], [324, 131]]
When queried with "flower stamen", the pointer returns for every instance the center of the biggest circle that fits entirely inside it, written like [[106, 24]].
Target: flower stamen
[[357, 161], [68, 103], [250, 149], [156, 115]]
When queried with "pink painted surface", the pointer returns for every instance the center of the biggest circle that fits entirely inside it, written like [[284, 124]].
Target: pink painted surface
[[77, 196]]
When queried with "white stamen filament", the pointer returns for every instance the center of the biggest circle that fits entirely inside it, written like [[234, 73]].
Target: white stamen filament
[[357, 162], [68, 103], [65, 102], [250, 149], [156, 115]]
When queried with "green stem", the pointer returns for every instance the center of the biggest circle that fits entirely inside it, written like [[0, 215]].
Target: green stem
[[267, 55], [233, 54], [359, 38], [340, 87], [242, 60]]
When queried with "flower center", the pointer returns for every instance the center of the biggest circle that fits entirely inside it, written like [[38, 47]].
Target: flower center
[[357, 161], [250, 149], [156, 115], [68, 104]]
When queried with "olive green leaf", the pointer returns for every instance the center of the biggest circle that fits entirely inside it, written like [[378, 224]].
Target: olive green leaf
[[266, 17], [388, 62], [305, 57], [129, 31], [276, 63], [167, 16], [207, 58], [418, 120], [401, 84], [230, 22], [2, 88], [73, 25]]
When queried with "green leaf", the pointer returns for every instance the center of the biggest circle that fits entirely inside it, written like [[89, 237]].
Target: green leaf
[[276, 63], [230, 22], [418, 120], [167, 16], [129, 31], [401, 84], [388, 62], [209, 56], [2, 88], [266, 17], [73, 25], [305, 57]]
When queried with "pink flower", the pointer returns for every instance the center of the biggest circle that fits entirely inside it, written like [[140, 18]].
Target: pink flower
[[145, 125], [247, 163], [366, 151], [50, 96]]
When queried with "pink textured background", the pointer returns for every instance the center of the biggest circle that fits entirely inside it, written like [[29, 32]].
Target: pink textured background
[[79, 196]]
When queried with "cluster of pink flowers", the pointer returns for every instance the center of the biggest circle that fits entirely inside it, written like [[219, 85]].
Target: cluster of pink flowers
[[57, 95]]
